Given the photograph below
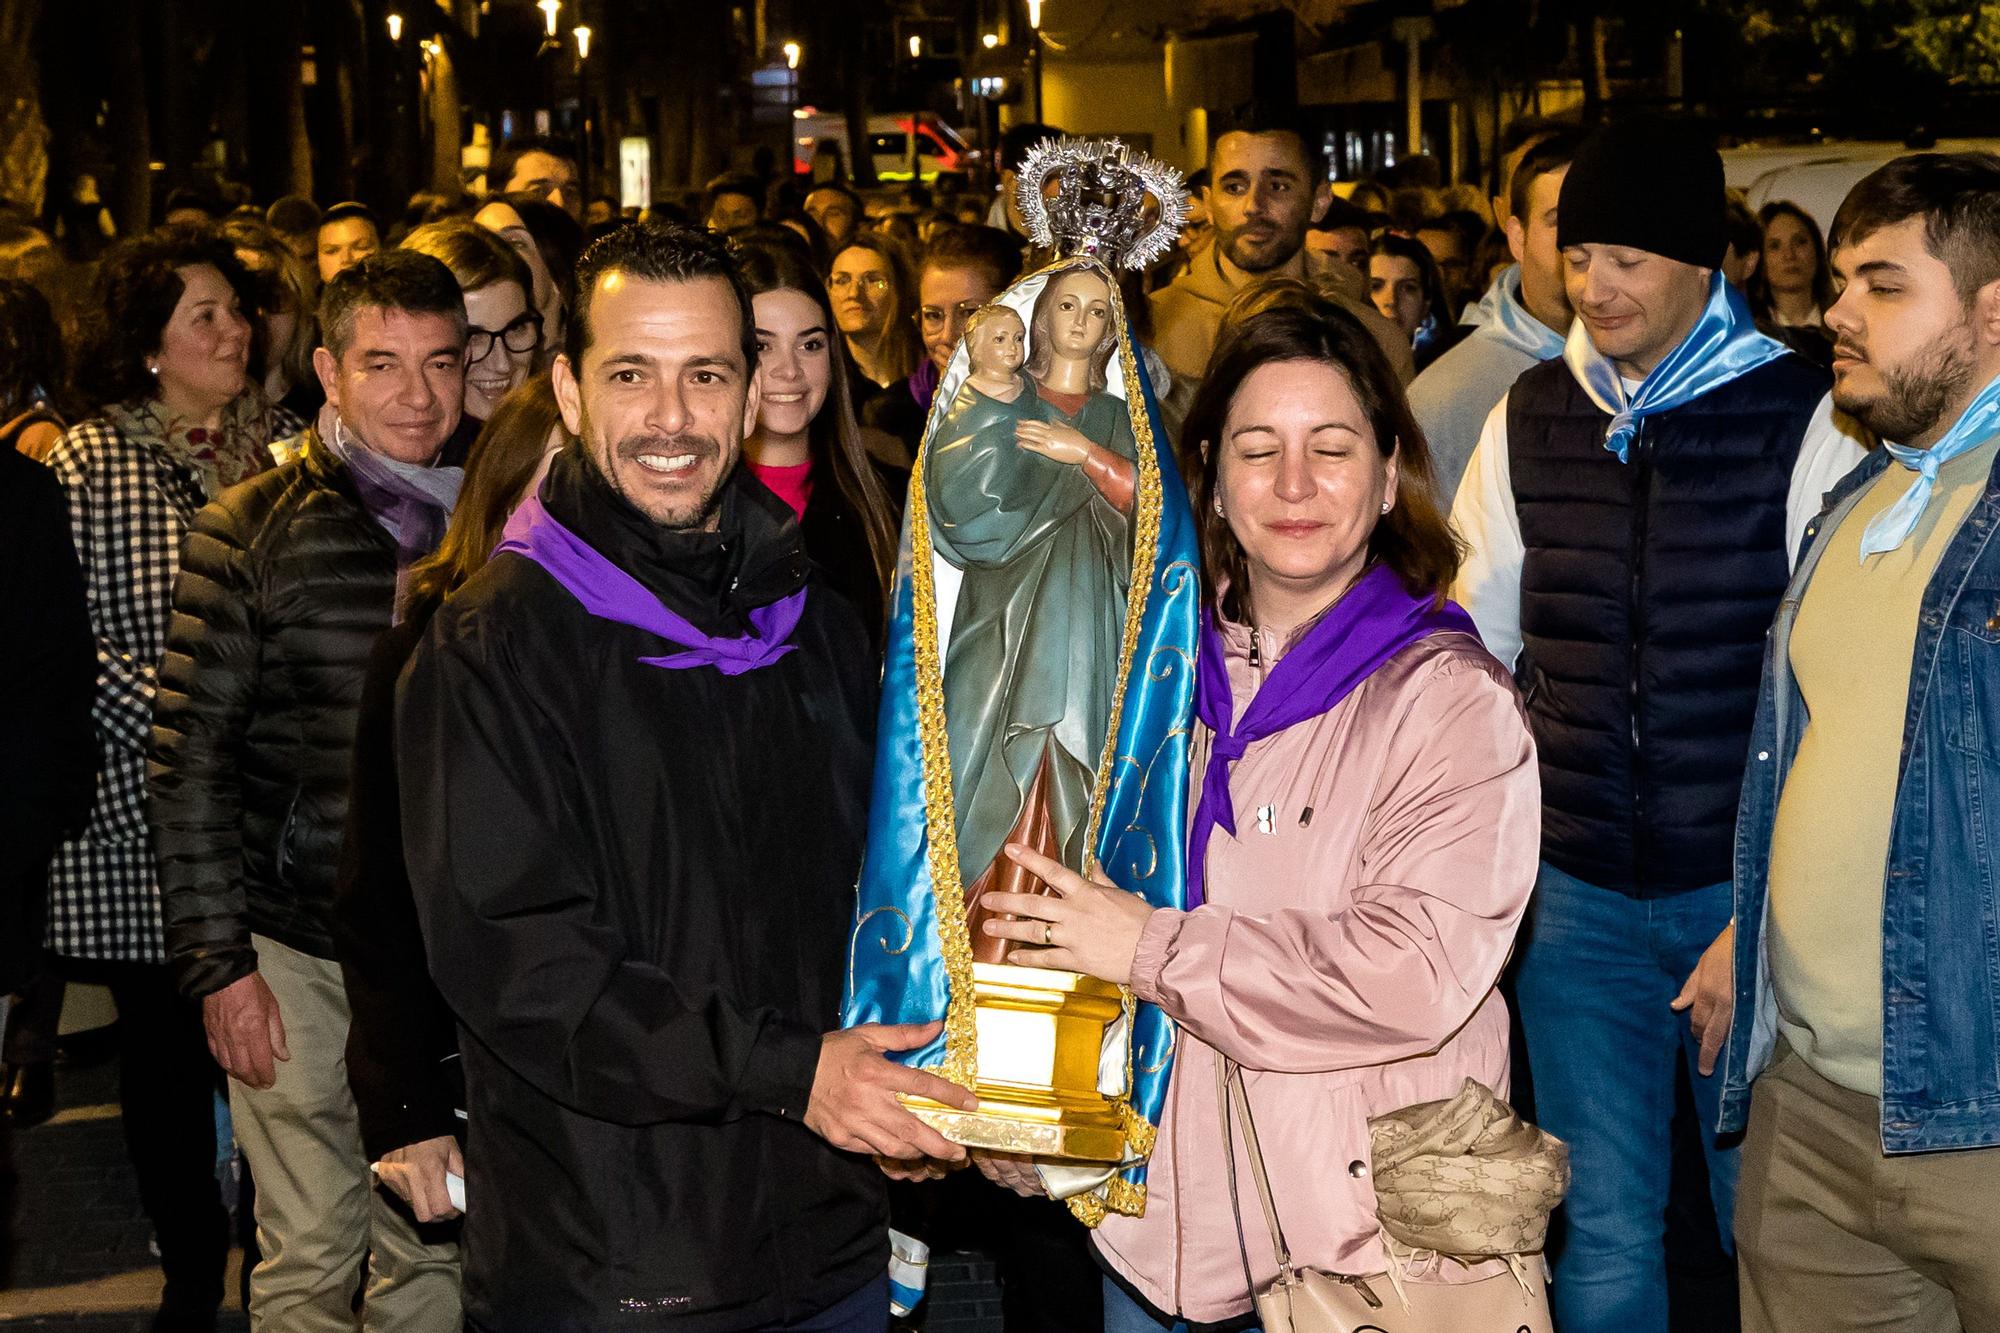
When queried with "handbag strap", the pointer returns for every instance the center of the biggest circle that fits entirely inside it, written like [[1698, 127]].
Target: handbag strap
[[1229, 1084]]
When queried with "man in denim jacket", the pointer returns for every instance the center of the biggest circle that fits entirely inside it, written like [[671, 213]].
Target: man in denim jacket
[[1865, 954]]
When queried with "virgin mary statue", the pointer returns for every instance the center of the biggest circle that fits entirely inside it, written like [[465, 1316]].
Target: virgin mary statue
[[1038, 688]]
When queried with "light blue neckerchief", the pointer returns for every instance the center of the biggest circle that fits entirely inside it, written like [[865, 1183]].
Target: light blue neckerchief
[[1725, 343], [1974, 427], [1502, 311]]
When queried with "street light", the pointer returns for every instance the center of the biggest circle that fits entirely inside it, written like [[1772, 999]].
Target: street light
[[792, 53], [990, 40], [1034, 13], [550, 7], [395, 27], [582, 35], [916, 46]]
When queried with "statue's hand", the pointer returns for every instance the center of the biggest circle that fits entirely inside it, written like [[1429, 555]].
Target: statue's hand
[[1064, 444]]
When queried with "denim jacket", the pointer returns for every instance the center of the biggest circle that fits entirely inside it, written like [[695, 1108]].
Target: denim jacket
[[1940, 920]]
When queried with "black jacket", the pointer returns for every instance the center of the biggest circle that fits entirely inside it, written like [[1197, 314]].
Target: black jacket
[[836, 540], [635, 885], [1646, 591], [285, 583], [48, 680], [402, 1045]]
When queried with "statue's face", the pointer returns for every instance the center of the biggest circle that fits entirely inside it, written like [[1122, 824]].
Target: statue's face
[[997, 345], [1079, 313]]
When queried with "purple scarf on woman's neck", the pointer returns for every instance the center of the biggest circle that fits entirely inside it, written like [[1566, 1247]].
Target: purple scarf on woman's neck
[[1371, 623], [609, 593]]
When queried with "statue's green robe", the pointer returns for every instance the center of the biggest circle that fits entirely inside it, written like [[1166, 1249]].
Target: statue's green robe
[[1032, 662]]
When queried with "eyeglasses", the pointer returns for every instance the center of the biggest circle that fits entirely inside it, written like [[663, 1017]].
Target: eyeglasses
[[932, 319], [874, 282], [523, 334]]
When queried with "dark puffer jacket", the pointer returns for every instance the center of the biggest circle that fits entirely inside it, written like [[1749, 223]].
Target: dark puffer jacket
[[285, 584]]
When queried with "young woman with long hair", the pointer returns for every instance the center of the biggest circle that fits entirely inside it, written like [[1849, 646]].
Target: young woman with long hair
[[808, 446]]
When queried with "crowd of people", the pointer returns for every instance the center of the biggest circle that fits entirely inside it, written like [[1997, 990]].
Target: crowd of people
[[347, 758]]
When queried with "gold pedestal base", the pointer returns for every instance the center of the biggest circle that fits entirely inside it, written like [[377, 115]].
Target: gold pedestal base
[[1040, 1038]]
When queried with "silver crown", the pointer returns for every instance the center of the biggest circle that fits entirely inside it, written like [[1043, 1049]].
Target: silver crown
[[1097, 197]]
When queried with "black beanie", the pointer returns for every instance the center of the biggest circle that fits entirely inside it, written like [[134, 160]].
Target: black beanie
[[1651, 183]]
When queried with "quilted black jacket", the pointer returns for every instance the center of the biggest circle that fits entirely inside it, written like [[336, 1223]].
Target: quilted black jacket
[[285, 583]]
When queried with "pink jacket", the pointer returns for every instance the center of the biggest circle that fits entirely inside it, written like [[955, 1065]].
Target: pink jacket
[[1348, 962]]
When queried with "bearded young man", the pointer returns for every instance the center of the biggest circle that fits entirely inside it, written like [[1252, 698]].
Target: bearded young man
[[1866, 973], [634, 752], [1268, 186], [1631, 508]]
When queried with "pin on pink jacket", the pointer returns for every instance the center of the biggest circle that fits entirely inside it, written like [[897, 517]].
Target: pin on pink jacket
[[1346, 959]]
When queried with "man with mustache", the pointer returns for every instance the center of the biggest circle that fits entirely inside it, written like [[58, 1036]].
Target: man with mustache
[[1865, 970], [1269, 186], [1631, 507], [285, 582], [635, 756]]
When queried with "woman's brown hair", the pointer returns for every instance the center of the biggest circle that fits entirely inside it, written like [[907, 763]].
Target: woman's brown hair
[[503, 460], [834, 437], [1412, 538], [902, 349]]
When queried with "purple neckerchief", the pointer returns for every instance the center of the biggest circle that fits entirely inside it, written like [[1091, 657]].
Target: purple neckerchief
[[1375, 620], [609, 593], [924, 383]]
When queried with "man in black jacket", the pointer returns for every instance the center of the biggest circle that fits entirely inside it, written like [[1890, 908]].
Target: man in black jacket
[[634, 753], [48, 758], [285, 582]]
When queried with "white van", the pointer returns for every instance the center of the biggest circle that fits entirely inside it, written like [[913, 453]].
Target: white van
[[1818, 176], [907, 145]]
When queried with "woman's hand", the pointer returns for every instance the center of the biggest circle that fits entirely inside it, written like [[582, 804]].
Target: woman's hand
[[1088, 926], [1064, 444], [1011, 1171]]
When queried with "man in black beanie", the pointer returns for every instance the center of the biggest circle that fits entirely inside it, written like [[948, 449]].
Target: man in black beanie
[[1632, 508]]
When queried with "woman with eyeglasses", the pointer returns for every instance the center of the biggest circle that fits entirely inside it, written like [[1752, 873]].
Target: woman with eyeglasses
[[503, 331], [873, 300]]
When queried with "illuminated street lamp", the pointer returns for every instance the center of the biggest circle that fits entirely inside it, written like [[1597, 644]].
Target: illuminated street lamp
[[916, 46], [395, 27], [1034, 13], [990, 40], [582, 35], [550, 8], [792, 53]]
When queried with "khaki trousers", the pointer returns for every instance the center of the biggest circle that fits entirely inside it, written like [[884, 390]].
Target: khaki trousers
[[1832, 1234], [319, 1215]]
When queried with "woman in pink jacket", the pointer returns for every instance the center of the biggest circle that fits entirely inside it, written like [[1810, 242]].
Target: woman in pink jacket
[[1367, 818]]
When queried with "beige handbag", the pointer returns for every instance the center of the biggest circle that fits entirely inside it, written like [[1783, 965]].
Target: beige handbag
[[1307, 1300]]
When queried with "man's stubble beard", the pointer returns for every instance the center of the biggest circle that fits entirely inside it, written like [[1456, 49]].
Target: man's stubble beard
[[1920, 391], [1283, 250], [627, 451]]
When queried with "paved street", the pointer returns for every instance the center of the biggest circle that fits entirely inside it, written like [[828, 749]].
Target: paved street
[[84, 1264]]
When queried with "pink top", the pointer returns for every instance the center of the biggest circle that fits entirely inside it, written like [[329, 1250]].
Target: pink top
[[791, 482], [1347, 962]]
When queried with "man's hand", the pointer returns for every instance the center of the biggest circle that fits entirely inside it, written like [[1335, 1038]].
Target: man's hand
[[246, 1034], [853, 1104], [916, 1172], [1710, 993], [1011, 1171], [416, 1174]]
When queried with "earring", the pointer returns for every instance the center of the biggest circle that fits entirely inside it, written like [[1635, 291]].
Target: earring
[[1218, 506], [155, 369], [1387, 505]]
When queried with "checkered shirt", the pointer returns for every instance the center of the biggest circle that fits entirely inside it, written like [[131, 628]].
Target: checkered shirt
[[130, 502]]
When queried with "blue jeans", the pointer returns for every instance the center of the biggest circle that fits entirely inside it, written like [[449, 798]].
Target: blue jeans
[[1122, 1314], [1597, 974]]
